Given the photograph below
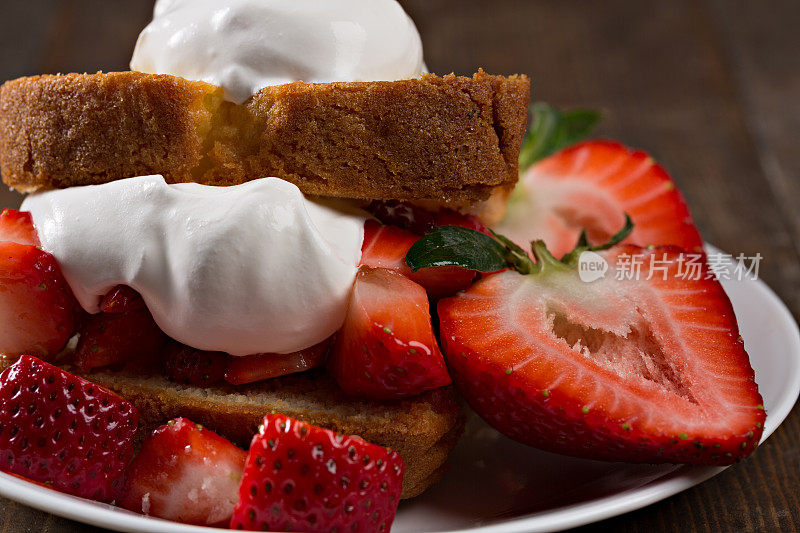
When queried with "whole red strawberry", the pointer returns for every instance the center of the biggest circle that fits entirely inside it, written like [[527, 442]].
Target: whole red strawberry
[[64, 431], [37, 309], [300, 477], [386, 347], [185, 473]]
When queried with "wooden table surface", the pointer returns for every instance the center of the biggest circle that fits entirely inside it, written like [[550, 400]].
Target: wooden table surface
[[710, 87]]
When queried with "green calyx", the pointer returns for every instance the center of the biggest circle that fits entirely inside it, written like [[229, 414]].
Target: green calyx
[[467, 248], [552, 129], [583, 245]]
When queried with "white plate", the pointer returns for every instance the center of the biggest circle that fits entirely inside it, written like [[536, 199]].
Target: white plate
[[496, 485]]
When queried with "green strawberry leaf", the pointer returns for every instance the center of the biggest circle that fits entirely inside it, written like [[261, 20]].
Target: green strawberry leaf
[[466, 248], [552, 129]]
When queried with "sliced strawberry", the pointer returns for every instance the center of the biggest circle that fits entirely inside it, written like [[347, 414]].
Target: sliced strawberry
[[386, 247], [61, 430], [187, 365], [259, 367], [300, 477], [592, 185], [17, 226], [122, 299], [111, 338], [185, 473], [638, 370], [37, 309], [386, 348]]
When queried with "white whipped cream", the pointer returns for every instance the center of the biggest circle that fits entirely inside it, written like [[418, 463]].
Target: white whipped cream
[[245, 45], [246, 269]]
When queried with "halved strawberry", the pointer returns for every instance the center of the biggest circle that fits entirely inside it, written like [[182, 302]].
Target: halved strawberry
[[259, 367], [17, 226], [185, 473], [592, 185], [37, 309], [111, 338], [61, 430], [386, 347], [187, 365], [650, 369], [386, 247], [300, 477]]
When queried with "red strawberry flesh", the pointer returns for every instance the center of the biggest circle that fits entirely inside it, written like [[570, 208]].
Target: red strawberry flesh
[[185, 473], [258, 367], [122, 299], [592, 185], [62, 430], [386, 347], [17, 226], [37, 309], [300, 477], [387, 246], [110, 338], [638, 371]]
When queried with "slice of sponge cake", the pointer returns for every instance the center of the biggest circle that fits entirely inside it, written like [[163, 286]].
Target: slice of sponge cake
[[449, 140], [423, 429]]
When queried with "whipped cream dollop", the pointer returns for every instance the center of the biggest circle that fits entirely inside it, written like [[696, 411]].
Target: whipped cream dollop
[[245, 45], [251, 268]]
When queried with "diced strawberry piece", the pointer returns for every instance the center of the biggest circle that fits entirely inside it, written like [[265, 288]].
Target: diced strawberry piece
[[61, 430], [122, 299], [386, 347], [387, 246], [592, 185], [259, 367], [641, 370], [17, 226], [185, 473], [187, 365], [300, 477], [111, 338], [37, 309]]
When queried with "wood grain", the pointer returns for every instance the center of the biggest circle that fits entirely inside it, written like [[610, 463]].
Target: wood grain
[[710, 87]]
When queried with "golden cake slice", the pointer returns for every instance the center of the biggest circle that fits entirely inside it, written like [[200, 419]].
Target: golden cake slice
[[448, 140]]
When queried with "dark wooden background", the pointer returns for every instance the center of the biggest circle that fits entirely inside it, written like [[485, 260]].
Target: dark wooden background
[[710, 87]]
